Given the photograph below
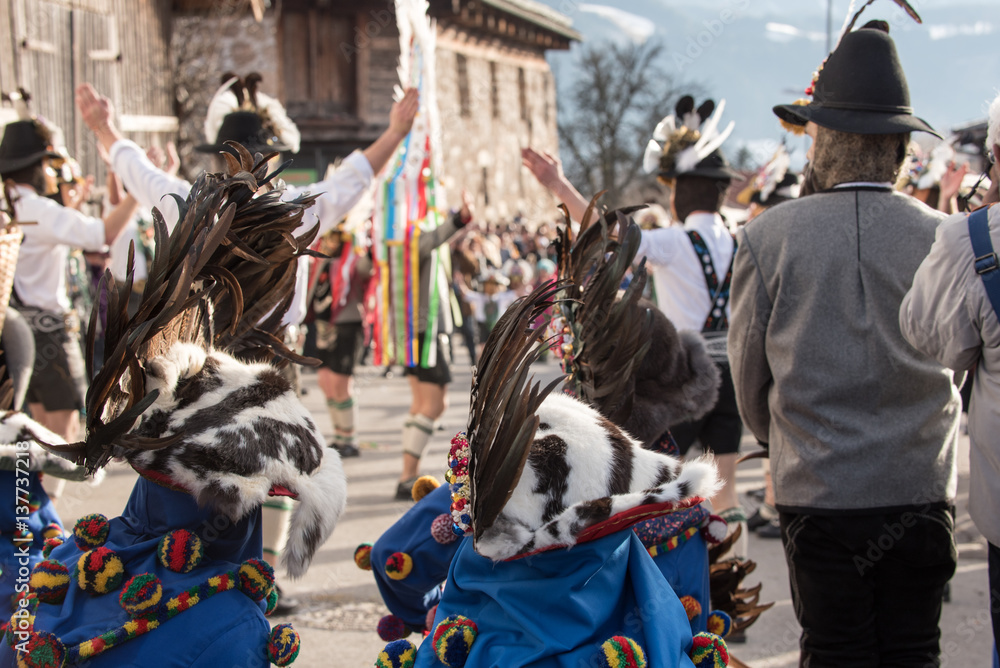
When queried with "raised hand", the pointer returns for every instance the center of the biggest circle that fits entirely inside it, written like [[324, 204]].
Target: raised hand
[[546, 168], [403, 113], [96, 110]]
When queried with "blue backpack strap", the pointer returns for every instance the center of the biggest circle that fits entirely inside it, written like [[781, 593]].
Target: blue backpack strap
[[986, 258]]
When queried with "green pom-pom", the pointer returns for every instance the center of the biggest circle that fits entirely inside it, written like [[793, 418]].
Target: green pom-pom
[[621, 652], [180, 551], [142, 595], [709, 651], [42, 650], [50, 581], [272, 601], [256, 578], [283, 645], [397, 654], [91, 531], [51, 544], [363, 556], [99, 571], [453, 640]]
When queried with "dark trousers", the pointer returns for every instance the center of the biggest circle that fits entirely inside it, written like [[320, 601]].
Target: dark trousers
[[868, 589], [994, 560]]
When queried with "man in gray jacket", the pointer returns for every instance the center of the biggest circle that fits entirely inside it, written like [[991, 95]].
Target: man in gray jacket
[[861, 428], [948, 315]]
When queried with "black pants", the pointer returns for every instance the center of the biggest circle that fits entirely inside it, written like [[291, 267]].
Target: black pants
[[994, 560], [868, 589]]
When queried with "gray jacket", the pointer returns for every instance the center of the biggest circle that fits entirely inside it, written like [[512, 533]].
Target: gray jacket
[[856, 419], [947, 315], [428, 241]]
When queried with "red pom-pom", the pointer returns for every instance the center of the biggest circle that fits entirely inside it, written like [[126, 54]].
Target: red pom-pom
[[442, 529]]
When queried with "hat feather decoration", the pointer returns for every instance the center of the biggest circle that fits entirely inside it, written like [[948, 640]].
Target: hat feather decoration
[[186, 393], [685, 138], [242, 94]]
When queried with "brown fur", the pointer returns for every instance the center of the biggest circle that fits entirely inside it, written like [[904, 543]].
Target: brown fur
[[844, 157]]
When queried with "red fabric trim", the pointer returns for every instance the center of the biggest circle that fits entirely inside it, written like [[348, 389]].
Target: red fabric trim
[[623, 520]]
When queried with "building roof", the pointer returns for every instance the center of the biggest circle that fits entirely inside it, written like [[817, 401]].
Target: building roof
[[539, 14]]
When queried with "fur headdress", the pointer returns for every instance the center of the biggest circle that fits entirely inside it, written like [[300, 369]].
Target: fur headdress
[[539, 471], [176, 396], [277, 132], [687, 142]]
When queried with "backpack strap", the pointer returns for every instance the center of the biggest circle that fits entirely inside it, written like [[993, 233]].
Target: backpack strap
[[986, 263], [718, 295]]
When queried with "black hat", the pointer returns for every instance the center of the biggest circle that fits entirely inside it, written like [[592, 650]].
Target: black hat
[[24, 143], [247, 128], [860, 89], [687, 143], [713, 166]]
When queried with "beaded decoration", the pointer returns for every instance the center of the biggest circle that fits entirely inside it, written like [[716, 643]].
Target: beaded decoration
[[441, 529], [461, 490]]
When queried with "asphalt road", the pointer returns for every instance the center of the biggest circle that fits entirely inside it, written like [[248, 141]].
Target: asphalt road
[[341, 605]]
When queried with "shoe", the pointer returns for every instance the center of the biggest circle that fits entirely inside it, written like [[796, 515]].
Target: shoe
[[404, 490], [757, 494], [770, 530], [286, 605], [346, 450], [756, 521]]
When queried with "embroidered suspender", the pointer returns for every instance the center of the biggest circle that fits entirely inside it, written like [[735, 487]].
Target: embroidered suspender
[[717, 321]]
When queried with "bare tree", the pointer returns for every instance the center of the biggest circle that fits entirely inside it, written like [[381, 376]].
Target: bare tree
[[608, 114]]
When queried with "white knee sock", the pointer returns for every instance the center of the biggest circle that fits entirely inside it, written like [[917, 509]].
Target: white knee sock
[[344, 415], [417, 431]]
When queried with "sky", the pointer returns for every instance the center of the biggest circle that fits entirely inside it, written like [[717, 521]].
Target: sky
[[758, 53]]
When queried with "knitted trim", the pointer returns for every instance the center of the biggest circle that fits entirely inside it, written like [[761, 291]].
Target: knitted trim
[[672, 543], [734, 514], [342, 405]]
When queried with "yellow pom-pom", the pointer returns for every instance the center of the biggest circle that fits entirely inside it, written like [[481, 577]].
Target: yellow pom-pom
[[423, 486], [691, 606], [398, 565]]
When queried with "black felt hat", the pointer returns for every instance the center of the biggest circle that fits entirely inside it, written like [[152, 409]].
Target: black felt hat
[[24, 143], [246, 128], [713, 166], [861, 89]]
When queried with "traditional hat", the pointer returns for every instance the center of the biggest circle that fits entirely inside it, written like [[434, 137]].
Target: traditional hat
[[687, 142], [241, 113], [28, 139], [773, 183], [924, 169], [860, 88]]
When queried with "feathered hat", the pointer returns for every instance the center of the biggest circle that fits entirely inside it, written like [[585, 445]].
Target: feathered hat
[[541, 471], [239, 112], [860, 88], [687, 142], [28, 139], [622, 355], [925, 169], [773, 183], [186, 393]]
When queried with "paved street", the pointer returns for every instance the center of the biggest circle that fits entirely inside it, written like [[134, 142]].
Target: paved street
[[341, 603]]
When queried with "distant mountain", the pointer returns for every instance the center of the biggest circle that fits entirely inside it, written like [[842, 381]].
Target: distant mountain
[[758, 53]]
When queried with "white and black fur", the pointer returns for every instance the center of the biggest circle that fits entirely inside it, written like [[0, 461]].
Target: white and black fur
[[243, 431], [20, 450], [583, 469]]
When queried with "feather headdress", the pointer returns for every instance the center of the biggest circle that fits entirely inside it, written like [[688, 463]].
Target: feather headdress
[[684, 139], [236, 94], [541, 471], [177, 397], [773, 179]]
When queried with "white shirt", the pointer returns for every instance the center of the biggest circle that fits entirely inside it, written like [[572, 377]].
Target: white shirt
[[681, 290], [479, 300], [40, 277], [339, 194]]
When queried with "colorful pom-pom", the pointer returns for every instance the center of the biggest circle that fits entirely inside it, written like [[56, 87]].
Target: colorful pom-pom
[[429, 620], [424, 485], [397, 654], [99, 571], [392, 628], [50, 581], [180, 551], [399, 565], [256, 578], [52, 530], [709, 651], [91, 531], [363, 556], [51, 544], [443, 529], [283, 645], [621, 652], [141, 595], [453, 640], [23, 535], [691, 606], [719, 623], [42, 650], [272, 601], [714, 530]]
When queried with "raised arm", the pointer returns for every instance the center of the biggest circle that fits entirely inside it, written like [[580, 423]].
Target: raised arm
[[548, 170], [401, 119]]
